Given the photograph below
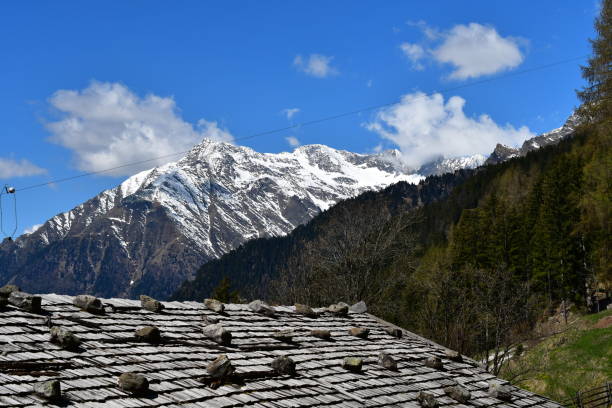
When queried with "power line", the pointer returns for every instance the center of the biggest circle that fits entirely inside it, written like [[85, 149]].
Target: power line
[[311, 122], [91, 173]]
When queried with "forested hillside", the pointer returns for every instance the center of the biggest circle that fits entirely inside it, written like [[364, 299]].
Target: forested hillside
[[472, 260], [251, 267], [538, 235], [525, 218]]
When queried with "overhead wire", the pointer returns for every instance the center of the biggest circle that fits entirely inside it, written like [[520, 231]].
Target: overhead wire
[[309, 122]]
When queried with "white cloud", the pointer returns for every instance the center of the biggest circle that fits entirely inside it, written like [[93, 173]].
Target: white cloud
[[10, 168], [293, 141], [32, 229], [290, 112], [415, 53], [425, 127], [477, 50], [316, 65], [107, 125], [473, 50], [431, 33]]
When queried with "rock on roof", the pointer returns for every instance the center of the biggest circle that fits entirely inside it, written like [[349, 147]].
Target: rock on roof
[[175, 367]]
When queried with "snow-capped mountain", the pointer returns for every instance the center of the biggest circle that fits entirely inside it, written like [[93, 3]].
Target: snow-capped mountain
[[450, 165], [503, 153], [154, 230]]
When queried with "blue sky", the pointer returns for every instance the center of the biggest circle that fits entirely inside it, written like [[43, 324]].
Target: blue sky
[[89, 85]]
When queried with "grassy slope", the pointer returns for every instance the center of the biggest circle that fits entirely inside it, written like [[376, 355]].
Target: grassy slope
[[580, 358]]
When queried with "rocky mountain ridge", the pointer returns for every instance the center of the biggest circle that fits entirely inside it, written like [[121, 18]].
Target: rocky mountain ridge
[[503, 152], [450, 165], [151, 232]]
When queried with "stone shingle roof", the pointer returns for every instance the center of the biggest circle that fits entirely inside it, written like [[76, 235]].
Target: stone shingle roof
[[176, 367]]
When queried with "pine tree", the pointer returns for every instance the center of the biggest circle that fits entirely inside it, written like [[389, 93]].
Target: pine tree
[[466, 239], [596, 201], [223, 292], [556, 251], [597, 94]]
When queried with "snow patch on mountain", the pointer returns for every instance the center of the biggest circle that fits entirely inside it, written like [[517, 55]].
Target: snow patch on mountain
[[220, 189], [450, 165]]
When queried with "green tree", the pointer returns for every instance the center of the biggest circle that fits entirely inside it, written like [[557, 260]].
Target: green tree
[[596, 96], [489, 236], [557, 253], [596, 207], [223, 292]]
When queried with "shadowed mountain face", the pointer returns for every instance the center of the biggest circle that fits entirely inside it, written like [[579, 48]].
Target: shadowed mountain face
[[154, 230]]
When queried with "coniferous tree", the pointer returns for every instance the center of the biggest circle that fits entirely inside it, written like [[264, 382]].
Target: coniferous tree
[[596, 202], [224, 293], [556, 253], [597, 94]]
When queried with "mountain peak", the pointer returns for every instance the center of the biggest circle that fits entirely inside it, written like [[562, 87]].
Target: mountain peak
[[210, 147], [160, 225]]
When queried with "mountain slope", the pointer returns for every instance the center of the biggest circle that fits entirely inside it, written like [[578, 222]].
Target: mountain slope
[[152, 232], [503, 152], [576, 358], [251, 266]]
